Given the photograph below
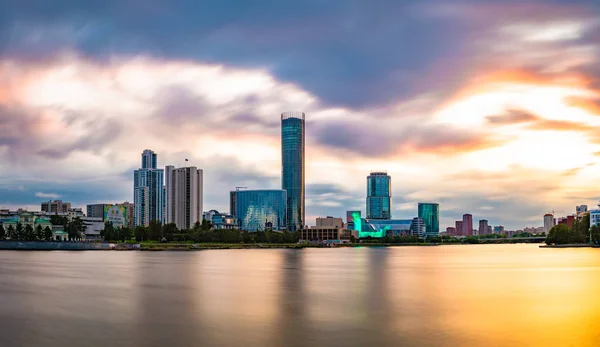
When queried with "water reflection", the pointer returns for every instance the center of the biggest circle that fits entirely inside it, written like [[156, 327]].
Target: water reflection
[[488, 295]]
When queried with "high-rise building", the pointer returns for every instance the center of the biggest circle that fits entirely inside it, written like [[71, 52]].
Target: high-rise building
[[95, 210], [430, 213], [148, 191], [183, 199], [467, 224], [232, 203], [548, 222], [148, 159], [292, 161], [459, 228], [379, 196], [261, 209], [483, 227], [56, 206]]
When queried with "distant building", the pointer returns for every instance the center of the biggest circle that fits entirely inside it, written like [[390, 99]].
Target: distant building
[[499, 229], [148, 191], [548, 222], [129, 212], [379, 196], [95, 210], [330, 222], [326, 233], [595, 217], [350, 216], [293, 168], [93, 228], [25, 218], [220, 220], [56, 206], [459, 228], [183, 198], [467, 224], [451, 231], [259, 210], [580, 209], [430, 213], [232, 203], [483, 227], [418, 228]]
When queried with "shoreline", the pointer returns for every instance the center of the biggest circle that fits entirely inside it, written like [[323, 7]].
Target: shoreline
[[571, 245]]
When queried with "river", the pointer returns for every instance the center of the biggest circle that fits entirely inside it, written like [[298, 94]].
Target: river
[[470, 295]]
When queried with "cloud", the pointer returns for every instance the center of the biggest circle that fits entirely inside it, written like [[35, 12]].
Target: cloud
[[47, 195]]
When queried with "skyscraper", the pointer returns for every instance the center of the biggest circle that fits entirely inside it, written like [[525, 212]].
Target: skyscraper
[[183, 195], [148, 193], [292, 173], [459, 227], [148, 159], [259, 210], [467, 224], [548, 222], [430, 213], [379, 196], [483, 227]]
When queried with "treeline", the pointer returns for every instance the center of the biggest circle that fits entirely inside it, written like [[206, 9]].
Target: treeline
[[580, 232], [200, 233], [20, 232], [25, 233]]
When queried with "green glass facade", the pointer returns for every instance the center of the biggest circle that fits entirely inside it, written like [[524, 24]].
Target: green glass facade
[[292, 160], [379, 196], [430, 213], [259, 210]]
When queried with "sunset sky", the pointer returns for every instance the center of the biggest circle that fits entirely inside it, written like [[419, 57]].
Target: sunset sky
[[487, 107]]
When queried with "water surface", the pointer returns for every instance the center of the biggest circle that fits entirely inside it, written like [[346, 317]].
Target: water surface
[[476, 295]]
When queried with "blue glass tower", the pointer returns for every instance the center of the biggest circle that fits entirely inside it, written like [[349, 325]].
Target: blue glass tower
[[430, 213], [292, 173], [379, 196], [148, 191], [261, 209]]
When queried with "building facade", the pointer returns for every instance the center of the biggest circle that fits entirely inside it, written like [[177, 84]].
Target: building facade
[[483, 227], [467, 224], [292, 173], [56, 206], [95, 210], [183, 196], [129, 212], [232, 203], [379, 196], [330, 222], [259, 210], [418, 227], [458, 225], [548, 222], [430, 213], [148, 191]]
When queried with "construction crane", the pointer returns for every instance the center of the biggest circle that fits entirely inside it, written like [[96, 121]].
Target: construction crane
[[553, 212]]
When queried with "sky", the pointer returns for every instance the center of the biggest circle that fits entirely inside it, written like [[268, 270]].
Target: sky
[[486, 107]]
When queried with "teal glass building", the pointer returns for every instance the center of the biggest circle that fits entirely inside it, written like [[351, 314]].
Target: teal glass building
[[259, 210], [430, 213], [379, 196], [292, 172]]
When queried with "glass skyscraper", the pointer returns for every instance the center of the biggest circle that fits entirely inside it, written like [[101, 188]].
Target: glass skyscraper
[[292, 173], [263, 209], [148, 191], [379, 196], [430, 213]]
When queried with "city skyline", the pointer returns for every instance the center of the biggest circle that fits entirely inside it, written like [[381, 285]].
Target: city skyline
[[493, 118]]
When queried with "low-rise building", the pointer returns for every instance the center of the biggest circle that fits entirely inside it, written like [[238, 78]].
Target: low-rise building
[[330, 222], [93, 228]]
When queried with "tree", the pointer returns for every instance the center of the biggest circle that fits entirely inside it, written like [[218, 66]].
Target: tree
[[560, 234], [169, 231], [141, 233], [108, 233], [75, 228], [11, 233], [155, 230], [39, 232], [47, 233], [2, 233], [206, 225], [124, 234], [595, 233], [29, 233], [59, 220], [19, 232]]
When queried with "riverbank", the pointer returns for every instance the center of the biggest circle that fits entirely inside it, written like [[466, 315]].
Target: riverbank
[[571, 245]]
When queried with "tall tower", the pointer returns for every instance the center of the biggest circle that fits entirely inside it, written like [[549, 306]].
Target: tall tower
[[183, 191], [292, 171], [467, 224], [148, 196], [430, 212], [379, 196]]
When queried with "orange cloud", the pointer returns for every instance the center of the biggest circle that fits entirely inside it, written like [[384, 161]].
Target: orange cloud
[[588, 104]]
